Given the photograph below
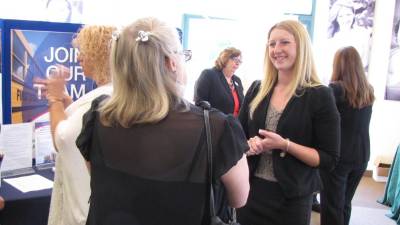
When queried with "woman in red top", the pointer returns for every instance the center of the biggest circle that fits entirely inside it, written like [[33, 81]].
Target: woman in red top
[[219, 85]]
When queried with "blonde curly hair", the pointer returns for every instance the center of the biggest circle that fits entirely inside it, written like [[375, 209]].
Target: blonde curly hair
[[93, 41]]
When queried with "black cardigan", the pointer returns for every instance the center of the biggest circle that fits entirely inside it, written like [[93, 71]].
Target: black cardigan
[[310, 119], [213, 87], [355, 147]]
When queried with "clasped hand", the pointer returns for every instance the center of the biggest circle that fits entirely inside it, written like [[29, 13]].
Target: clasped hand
[[266, 141]]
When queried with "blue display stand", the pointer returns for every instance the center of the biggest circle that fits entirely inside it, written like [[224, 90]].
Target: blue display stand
[[29, 52]]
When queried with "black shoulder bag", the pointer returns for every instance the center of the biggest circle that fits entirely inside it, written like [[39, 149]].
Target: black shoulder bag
[[214, 220]]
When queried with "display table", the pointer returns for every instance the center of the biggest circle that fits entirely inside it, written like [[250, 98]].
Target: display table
[[31, 208], [392, 190]]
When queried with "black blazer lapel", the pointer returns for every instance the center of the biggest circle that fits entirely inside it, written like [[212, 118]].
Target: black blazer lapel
[[224, 82], [260, 114]]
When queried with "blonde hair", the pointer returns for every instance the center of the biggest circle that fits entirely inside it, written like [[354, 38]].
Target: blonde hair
[[145, 89], [348, 71], [93, 42], [225, 55], [305, 74]]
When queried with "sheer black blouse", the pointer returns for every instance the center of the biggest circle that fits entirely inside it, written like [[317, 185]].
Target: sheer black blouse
[[156, 173]]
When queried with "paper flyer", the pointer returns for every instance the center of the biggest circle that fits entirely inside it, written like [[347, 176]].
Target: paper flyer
[[16, 144], [44, 149]]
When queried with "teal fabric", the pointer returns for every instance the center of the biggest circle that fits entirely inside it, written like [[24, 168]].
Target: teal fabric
[[392, 190]]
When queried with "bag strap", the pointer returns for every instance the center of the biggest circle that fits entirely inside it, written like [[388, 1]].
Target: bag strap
[[206, 107], [209, 160]]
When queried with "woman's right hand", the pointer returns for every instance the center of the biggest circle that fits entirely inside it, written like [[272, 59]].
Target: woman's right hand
[[54, 86], [268, 141], [256, 147]]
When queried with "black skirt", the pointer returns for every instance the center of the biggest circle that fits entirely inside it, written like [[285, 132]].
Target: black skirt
[[267, 205]]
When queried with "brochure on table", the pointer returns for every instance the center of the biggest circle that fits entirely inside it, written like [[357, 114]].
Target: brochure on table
[[26, 145], [16, 144]]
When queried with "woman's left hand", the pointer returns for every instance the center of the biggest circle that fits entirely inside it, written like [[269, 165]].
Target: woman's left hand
[[271, 140]]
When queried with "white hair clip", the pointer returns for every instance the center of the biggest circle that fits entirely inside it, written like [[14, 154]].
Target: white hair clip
[[115, 35], [143, 36]]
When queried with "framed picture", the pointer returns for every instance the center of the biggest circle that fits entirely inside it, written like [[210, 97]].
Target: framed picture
[[393, 75], [350, 24]]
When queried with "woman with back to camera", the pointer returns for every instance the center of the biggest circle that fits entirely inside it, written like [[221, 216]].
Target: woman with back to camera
[[141, 142], [354, 99], [292, 126], [219, 85], [71, 191]]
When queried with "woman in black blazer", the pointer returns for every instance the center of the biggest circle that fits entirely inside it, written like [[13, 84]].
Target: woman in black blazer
[[354, 99], [292, 126], [219, 85]]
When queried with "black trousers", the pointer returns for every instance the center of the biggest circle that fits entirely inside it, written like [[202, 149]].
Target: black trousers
[[339, 188], [267, 205]]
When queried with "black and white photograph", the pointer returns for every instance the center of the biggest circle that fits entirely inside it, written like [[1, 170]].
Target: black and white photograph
[[69, 11], [350, 24], [393, 75]]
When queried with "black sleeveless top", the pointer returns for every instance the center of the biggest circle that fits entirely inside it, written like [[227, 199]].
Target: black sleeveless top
[[152, 174]]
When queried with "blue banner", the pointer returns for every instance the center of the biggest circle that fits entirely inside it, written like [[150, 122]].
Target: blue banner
[[34, 54]]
